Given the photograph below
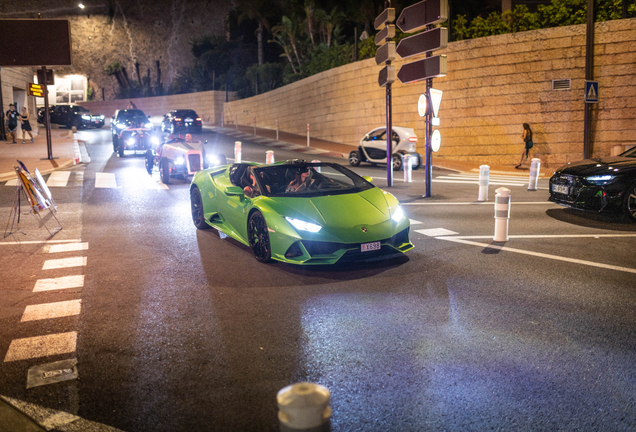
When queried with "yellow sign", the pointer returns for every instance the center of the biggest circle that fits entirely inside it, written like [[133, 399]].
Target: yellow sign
[[36, 90]]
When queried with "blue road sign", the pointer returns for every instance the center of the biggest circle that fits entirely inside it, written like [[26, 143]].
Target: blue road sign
[[591, 91]]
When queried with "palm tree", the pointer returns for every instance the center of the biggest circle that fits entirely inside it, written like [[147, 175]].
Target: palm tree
[[288, 31], [279, 38], [310, 12], [256, 10], [328, 22]]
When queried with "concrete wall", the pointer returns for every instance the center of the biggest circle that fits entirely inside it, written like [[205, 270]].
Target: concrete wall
[[208, 105], [493, 85], [14, 82]]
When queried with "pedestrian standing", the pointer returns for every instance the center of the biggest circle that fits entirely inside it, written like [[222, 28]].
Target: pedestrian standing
[[26, 126], [527, 138], [12, 121]]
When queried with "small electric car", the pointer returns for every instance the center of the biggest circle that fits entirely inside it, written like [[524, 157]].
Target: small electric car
[[300, 212], [180, 157], [372, 148]]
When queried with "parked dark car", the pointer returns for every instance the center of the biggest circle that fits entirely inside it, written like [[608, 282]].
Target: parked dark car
[[40, 113], [75, 115], [601, 185], [181, 119]]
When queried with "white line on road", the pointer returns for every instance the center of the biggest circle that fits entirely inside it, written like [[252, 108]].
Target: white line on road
[[551, 236], [105, 180], [513, 203], [414, 222], [64, 263], [41, 346], [68, 247], [59, 283], [435, 180], [435, 232], [12, 182], [539, 254], [51, 310], [58, 179], [38, 242]]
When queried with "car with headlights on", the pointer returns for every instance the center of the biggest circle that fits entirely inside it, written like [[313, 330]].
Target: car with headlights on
[[372, 148], [75, 116], [132, 131], [181, 120], [299, 212], [601, 185]]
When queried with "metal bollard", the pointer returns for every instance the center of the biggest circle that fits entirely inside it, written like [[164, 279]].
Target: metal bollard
[[502, 214], [304, 407], [269, 157], [484, 179], [534, 174], [237, 152], [316, 161], [408, 168]]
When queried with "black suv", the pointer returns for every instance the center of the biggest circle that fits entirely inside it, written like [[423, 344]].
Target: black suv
[[75, 115]]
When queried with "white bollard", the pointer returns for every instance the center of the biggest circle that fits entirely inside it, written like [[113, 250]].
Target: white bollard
[[307, 134], [269, 157], [304, 407], [254, 126], [316, 161], [276, 129], [222, 119], [408, 168], [484, 179], [237, 152], [534, 174], [502, 214], [236, 121]]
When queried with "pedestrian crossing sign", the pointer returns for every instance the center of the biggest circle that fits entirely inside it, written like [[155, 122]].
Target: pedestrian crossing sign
[[591, 91]]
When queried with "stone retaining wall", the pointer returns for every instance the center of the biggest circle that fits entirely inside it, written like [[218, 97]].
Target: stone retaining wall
[[493, 85]]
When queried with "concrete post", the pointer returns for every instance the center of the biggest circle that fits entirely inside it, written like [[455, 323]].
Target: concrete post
[[484, 179], [269, 157], [408, 168], [307, 134], [534, 174], [304, 407], [502, 214], [237, 152]]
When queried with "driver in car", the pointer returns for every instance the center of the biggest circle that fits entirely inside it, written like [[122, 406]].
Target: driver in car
[[302, 180]]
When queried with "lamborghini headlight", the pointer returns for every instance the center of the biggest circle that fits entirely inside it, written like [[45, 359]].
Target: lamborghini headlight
[[303, 226], [398, 214]]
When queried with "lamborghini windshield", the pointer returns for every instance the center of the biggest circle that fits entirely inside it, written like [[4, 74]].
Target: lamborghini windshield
[[308, 179]]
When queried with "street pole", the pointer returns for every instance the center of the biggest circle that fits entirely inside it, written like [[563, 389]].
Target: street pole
[[428, 152], [589, 76], [389, 122], [3, 136], [47, 118]]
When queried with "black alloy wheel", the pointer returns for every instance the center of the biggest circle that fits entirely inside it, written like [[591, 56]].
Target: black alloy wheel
[[164, 168], [196, 206], [398, 162], [150, 161], [630, 202], [258, 237], [354, 158]]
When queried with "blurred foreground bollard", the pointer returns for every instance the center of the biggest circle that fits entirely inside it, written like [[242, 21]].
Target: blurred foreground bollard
[[237, 152], [269, 157], [408, 168], [304, 407], [534, 174], [502, 214], [484, 179]]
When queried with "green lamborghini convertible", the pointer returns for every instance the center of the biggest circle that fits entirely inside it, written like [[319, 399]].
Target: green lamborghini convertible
[[300, 212]]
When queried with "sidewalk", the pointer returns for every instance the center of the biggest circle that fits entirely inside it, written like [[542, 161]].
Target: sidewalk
[[34, 155], [342, 150]]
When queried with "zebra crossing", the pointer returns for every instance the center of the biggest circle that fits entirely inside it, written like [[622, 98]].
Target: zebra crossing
[[103, 180], [495, 180]]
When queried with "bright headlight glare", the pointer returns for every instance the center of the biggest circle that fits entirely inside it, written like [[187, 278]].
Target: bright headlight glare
[[600, 179], [131, 141], [101, 116], [303, 226], [398, 214], [179, 161], [120, 126], [154, 140], [213, 159], [149, 125], [86, 117]]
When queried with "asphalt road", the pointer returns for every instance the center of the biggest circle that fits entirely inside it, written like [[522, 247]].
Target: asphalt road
[[180, 330]]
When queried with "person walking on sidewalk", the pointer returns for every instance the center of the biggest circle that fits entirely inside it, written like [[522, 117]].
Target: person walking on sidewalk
[[26, 126], [527, 138], [12, 121]]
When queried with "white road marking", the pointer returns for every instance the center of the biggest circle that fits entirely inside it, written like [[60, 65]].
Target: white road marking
[[539, 254], [59, 283], [499, 183], [58, 179], [434, 232], [513, 203], [41, 346], [64, 263], [12, 182], [68, 247], [38, 241], [51, 310], [105, 180], [476, 178], [550, 236], [414, 222]]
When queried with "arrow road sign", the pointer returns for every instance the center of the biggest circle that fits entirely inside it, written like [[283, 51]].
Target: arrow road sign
[[387, 76], [419, 15], [385, 53], [387, 16], [431, 67], [387, 32], [420, 43]]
